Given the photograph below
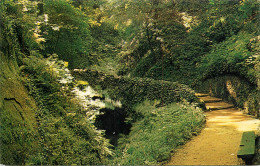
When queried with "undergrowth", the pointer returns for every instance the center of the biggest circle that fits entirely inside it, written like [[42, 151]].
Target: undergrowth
[[67, 136], [157, 133]]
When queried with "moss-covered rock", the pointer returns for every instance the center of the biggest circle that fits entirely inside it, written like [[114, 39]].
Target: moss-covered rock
[[18, 125], [131, 91]]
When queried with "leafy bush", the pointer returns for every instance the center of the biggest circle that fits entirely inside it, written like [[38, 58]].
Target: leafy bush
[[66, 32], [145, 64], [158, 133]]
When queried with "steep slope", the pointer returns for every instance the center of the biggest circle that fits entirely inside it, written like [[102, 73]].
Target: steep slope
[[18, 125]]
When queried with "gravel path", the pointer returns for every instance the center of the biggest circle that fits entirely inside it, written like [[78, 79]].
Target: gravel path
[[219, 141]]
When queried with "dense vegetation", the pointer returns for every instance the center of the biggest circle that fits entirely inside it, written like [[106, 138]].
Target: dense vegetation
[[153, 137], [152, 52], [188, 54], [56, 131], [67, 136]]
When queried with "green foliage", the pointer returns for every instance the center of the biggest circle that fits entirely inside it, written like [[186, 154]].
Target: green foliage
[[192, 7], [144, 38], [109, 65], [16, 28], [179, 54], [176, 58], [18, 129], [158, 133], [220, 21], [105, 45], [145, 64], [67, 137], [249, 9], [66, 32], [147, 24], [78, 34], [229, 57]]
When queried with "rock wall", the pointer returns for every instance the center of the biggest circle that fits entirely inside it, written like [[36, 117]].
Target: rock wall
[[235, 90], [131, 91], [18, 127]]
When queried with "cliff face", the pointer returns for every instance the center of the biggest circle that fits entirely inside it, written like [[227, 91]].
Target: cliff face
[[18, 126]]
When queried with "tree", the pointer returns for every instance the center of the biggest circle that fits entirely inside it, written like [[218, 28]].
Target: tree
[[66, 32]]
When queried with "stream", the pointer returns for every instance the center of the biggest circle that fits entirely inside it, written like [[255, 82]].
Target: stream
[[106, 114]]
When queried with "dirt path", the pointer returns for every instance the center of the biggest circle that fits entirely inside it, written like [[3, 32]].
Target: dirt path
[[219, 141]]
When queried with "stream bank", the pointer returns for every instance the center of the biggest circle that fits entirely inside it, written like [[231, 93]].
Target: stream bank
[[107, 115]]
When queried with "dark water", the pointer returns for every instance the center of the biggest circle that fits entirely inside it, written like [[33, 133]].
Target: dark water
[[113, 122]]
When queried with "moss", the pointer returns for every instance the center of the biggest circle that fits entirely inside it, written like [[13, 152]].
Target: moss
[[131, 91], [19, 135]]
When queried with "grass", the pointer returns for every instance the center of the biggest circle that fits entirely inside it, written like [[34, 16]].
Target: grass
[[157, 133]]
